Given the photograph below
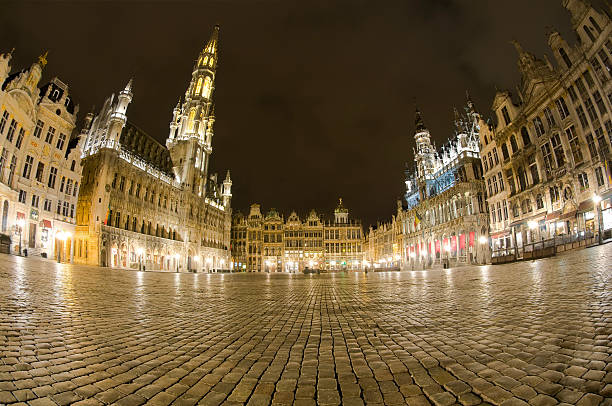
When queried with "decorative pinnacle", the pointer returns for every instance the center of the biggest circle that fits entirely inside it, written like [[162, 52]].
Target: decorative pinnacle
[[128, 87], [418, 122], [517, 46], [42, 59]]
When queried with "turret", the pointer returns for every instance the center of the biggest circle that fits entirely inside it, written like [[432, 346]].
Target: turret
[[424, 149], [227, 190], [5, 66], [118, 116], [341, 213]]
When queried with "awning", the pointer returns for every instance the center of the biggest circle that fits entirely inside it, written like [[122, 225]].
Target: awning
[[500, 234], [553, 215], [20, 215], [569, 215], [536, 217], [606, 195], [46, 223], [587, 205]]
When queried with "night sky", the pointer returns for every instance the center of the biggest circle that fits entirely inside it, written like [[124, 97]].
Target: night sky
[[314, 99]]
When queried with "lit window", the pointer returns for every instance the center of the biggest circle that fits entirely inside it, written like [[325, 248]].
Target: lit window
[[190, 122], [198, 86], [207, 87]]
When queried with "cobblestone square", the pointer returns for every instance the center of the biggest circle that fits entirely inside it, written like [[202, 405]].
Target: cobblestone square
[[534, 333]]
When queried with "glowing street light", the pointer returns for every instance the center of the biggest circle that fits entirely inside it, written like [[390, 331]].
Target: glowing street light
[[482, 239], [62, 236], [532, 225], [139, 252], [20, 224], [597, 200]]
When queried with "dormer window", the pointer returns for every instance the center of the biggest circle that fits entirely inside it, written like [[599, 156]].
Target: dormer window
[[55, 95], [565, 57], [595, 25], [505, 115], [589, 33]]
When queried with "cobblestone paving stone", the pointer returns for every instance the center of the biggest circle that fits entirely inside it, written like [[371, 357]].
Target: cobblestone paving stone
[[536, 333]]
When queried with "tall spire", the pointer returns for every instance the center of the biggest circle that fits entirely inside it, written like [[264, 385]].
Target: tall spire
[[418, 122], [518, 47], [191, 127], [208, 57]]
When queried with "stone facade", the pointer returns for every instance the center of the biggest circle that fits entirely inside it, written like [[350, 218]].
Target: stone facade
[[549, 157], [272, 244], [446, 221], [146, 205], [385, 243], [40, 166]]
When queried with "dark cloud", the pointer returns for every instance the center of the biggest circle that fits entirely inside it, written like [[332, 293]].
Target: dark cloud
[[314, 100]]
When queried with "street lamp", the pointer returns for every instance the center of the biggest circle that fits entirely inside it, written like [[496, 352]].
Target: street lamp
[[61, 236], [139, 252], [176, 258], [412, 256], [597, 201], [20, 224]]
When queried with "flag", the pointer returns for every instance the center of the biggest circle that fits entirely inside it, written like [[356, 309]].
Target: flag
[[417, 219]]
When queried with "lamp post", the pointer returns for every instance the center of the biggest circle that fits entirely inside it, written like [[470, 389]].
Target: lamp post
[[196, 259], [176, 258], [412, 256], [483, 240], [139, 252], [20, 224], [61, 236], [597, 201]]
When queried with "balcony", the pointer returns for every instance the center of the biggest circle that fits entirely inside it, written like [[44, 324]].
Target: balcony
[[118, 116]]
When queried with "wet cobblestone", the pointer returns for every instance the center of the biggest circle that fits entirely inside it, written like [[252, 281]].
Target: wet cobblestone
[[531, 333]]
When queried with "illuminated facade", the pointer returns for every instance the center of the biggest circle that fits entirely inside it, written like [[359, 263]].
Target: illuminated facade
[[40, 167], [446, 221], [385, 243], [548, 162], [143, 204], [272, 244]]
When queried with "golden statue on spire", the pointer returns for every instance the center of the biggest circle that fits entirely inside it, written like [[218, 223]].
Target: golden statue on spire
[[42, 60]]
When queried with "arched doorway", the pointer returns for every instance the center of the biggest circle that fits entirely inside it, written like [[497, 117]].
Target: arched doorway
[[124, 255], [114, 256]]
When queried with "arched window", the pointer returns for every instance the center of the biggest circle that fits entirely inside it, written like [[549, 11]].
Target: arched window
[[594, 24], [565, 57], [207, 87], [190, 122], [205, 61], [504, 149], [589, 33], [525, 136], [198, 86], [513, 144], [539, 202]]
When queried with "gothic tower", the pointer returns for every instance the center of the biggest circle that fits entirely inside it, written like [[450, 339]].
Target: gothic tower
[[191, 128], [227, 190], [424, 150]]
